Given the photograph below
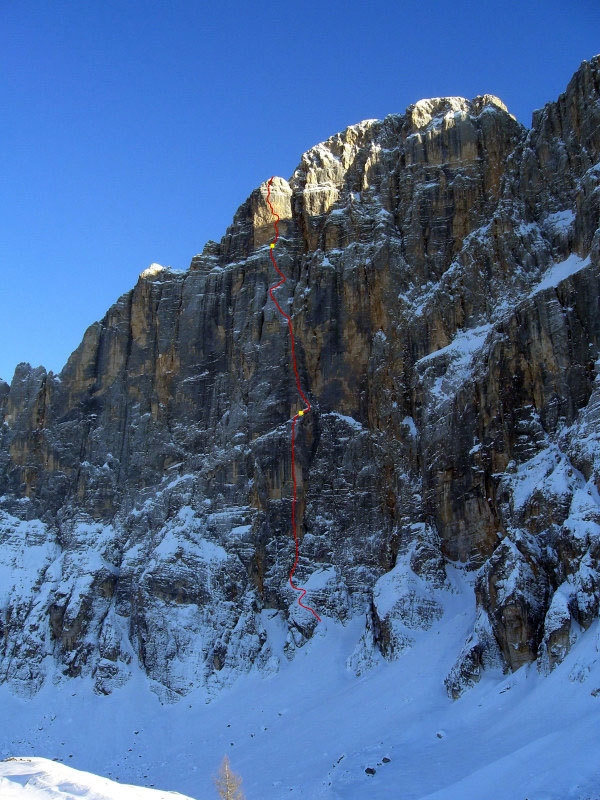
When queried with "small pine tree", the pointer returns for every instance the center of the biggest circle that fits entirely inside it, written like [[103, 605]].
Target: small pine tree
[[228, 783]]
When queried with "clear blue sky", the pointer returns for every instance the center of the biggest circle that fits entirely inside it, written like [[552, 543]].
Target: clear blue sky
[[133, 129]]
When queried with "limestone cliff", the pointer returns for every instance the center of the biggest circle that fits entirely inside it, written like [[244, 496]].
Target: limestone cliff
[[444, 281]]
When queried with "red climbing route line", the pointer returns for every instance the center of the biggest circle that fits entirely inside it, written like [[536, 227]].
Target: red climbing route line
[[298, 414]]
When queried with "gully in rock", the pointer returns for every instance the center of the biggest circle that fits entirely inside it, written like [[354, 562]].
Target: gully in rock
[[299, 413]]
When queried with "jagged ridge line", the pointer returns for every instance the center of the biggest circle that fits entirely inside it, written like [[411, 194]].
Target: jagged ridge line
[[298, 414]]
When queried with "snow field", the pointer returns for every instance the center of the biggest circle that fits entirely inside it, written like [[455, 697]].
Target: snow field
[[311, 730]]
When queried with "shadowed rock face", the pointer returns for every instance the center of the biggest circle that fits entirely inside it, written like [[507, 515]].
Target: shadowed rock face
[[444, 281]]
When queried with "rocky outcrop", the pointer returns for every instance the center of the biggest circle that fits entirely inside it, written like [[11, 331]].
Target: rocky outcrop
[[443, 281]]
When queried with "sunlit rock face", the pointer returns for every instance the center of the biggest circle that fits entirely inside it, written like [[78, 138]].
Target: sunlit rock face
[[443, 278]]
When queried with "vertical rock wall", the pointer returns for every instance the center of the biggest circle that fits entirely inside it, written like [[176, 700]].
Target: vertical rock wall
[[443, 280]]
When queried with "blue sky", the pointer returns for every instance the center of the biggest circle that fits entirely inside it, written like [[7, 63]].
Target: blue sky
[[133, 129]]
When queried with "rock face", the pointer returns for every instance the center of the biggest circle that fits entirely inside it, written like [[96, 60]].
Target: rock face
[[444, 282]]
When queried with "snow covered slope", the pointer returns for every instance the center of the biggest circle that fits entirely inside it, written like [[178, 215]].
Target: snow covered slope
[[315, 730], [41, 779]]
